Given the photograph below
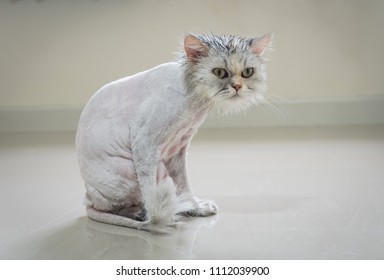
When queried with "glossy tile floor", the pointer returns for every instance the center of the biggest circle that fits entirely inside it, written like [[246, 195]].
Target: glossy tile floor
[[283, 193]]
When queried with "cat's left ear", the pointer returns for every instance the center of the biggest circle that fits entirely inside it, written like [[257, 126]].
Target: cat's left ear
[[194, 48], [261, 44]]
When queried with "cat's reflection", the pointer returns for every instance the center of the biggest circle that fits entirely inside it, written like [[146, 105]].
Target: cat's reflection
[[86, 239], [113, 242]]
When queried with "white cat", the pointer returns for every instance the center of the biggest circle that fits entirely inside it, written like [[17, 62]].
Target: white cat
[[133, 134]]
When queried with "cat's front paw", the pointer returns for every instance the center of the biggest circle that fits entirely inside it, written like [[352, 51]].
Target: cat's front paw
[[203, 208]]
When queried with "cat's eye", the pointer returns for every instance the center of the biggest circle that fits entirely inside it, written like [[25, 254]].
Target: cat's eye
[[248, 72], [221, 73]]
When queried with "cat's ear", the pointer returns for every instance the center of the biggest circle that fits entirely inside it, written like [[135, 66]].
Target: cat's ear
[[194, 48], [261, 44]]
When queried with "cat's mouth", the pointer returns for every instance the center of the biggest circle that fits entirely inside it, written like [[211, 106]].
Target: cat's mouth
[[235, 96]]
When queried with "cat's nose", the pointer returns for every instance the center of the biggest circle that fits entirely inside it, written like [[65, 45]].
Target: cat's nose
[[236, 86]]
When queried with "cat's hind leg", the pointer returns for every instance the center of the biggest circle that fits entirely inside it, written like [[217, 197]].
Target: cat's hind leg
[[113, 195], [158, 215]]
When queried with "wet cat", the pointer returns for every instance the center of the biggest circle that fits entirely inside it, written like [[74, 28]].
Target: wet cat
[[134, 133]]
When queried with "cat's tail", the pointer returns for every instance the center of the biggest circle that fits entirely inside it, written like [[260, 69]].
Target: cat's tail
[[163, 210]]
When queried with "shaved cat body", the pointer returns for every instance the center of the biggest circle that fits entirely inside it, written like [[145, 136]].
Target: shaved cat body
[[133, 134]]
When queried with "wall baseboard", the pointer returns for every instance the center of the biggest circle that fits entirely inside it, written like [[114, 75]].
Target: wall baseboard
[[39, 119], [323, 112], [357, 111]]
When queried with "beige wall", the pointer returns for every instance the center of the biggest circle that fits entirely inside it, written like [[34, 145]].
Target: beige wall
[[57, 53]]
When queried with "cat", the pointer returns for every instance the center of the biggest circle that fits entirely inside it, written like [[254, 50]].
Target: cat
[[133, 133]]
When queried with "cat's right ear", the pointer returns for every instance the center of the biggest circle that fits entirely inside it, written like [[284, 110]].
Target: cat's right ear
[[194, 48]]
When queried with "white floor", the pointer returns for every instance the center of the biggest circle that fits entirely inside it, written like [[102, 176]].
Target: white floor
[[283, 193]]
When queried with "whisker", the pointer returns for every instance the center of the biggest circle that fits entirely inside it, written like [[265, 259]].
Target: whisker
[[205, 105], [275, 108], [277, 98], [261, 108]]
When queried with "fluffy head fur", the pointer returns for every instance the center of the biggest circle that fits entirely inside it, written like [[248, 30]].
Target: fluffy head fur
[[226, 72]]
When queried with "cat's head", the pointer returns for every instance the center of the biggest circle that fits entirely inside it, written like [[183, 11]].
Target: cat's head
[[228, 71]]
